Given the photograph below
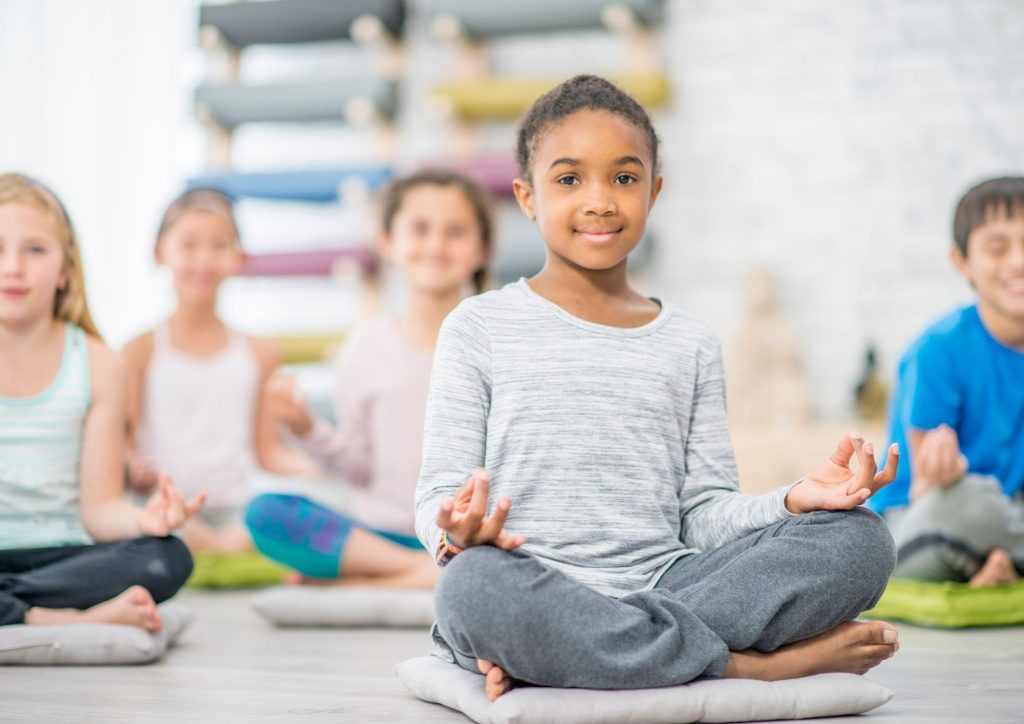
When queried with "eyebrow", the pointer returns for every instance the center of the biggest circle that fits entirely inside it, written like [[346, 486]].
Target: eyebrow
[[576, 162]]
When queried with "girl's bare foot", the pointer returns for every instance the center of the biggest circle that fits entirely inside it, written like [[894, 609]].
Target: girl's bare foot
[[133, 607], [852, 647], [497, 682], [998, 570]]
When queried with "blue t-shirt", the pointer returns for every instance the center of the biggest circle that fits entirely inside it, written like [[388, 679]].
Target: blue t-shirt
[[957, 373]]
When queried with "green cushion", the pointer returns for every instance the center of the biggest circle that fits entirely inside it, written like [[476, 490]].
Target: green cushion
[[950, 605], [234, 570]]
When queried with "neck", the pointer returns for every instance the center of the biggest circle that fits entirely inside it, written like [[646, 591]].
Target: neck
[[427, 310], [27, 336], [196, 315], [561, 279], [1008, 331]]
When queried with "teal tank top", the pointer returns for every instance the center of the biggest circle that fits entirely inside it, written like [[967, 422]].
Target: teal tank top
[[40, 455]]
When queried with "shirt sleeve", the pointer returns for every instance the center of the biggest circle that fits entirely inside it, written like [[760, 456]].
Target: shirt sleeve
[[455, 430], [713, 510], [933, 394], [347, 449]]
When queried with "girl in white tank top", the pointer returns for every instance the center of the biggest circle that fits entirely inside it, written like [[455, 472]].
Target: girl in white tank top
[[195, 384]]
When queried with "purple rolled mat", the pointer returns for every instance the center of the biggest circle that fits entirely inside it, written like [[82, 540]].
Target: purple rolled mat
[[306, 263]]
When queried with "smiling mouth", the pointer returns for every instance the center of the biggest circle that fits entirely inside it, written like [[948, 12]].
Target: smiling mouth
[[598, 235], [14, 292]]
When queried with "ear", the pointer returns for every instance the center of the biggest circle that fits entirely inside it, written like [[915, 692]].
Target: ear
[[524, 196], [655, 190], [383, 244], [959, 262]]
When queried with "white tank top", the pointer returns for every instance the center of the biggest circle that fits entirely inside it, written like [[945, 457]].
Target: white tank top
[[198, 415]]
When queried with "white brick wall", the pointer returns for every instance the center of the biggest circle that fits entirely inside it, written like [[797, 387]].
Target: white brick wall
[[832, 140]]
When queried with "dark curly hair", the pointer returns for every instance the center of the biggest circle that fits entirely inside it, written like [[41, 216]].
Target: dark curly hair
[[581, 92], [984, 200]]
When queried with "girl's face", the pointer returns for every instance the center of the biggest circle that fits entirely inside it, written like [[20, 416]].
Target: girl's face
[[31, 263], [435, 239], [201, 250], [593, 186]]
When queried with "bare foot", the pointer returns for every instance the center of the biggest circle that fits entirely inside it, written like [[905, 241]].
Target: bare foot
[[497, 681], [421, 575], [852, 647], [294, 578], [133, 607], [998, 570]]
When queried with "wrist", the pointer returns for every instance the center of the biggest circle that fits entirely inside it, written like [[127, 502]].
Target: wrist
[[446, 550], [791, 502]]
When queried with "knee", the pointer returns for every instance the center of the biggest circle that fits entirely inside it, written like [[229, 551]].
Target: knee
[[861, 545], [468, 588], [262, 509], [167, 564]]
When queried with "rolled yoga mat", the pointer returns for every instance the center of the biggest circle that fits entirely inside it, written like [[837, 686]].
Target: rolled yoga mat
[[340, 99], [298, 349], [307, 263], [479, 20], [316, 185], [493, 97], [296, 21], [494, 173]]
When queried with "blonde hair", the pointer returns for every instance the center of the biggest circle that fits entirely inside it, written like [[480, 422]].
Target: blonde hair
[[69, 304]]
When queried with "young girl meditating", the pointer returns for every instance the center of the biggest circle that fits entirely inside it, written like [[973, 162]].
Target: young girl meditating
[[195, 405], [436, 231], [616, 550], [72, 549]]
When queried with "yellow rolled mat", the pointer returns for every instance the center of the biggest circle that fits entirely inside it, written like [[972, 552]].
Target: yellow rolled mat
[[297, 349], [496, 97]]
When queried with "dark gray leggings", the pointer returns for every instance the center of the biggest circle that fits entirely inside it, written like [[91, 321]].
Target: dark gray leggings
[[782, 584], [82, 576]]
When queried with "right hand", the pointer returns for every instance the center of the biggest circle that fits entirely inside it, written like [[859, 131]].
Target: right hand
[[464, 518], [287, 405], [938, 462]]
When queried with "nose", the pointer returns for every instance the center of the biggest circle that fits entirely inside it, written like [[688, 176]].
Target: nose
[[1016, 255], [600, 201], [11, 263]]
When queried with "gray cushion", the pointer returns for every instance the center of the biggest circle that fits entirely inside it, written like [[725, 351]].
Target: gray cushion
[[345, 606], [721, 700], [80, 644]]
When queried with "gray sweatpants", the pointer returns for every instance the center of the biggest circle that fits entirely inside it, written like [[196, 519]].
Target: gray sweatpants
[[785, 583], [947, 534]]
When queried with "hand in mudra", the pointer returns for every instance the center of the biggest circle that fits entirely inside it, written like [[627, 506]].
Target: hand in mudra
[[835, 486], [464, 518]]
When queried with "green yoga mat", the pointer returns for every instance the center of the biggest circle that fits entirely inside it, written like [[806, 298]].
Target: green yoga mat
[[950, 605], [234, 570]]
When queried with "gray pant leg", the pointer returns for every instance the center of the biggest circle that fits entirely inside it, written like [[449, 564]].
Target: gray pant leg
[[788, 582], [544, 628], [948, 533]]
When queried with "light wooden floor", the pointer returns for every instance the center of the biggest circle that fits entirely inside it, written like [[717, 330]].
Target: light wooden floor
[[232, 667]]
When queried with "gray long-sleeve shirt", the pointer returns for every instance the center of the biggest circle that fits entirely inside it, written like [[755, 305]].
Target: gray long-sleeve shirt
[[612, 443]]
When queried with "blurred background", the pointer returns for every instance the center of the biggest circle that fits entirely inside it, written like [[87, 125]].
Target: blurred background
[[813, 153]]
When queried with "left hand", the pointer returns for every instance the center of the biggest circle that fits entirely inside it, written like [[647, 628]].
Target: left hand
[[166, 510], [834, 486]]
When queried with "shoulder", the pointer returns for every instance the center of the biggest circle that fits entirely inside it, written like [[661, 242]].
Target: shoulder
[[949, 336], [138, 351], [691, 331], [107, 369], [264, 350], [481, 311]]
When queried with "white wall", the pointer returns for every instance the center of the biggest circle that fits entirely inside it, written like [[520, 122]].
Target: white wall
[[830, 139]]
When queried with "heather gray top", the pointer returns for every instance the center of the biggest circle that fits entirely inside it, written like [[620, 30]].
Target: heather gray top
[[611, 442]]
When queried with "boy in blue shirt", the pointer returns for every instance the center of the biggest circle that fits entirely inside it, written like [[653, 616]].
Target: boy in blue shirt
[[957, 510]]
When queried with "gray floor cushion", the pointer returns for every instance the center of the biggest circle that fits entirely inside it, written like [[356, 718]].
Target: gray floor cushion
[[345, 606], [723, 700], [84, 644]]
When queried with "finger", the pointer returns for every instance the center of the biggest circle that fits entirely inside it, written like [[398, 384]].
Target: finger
[[848, 502], [962, 466], [492, 527], [444, 515], [508, 542], [478, 503], [888, 473], [196, 504], [845, 449]]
